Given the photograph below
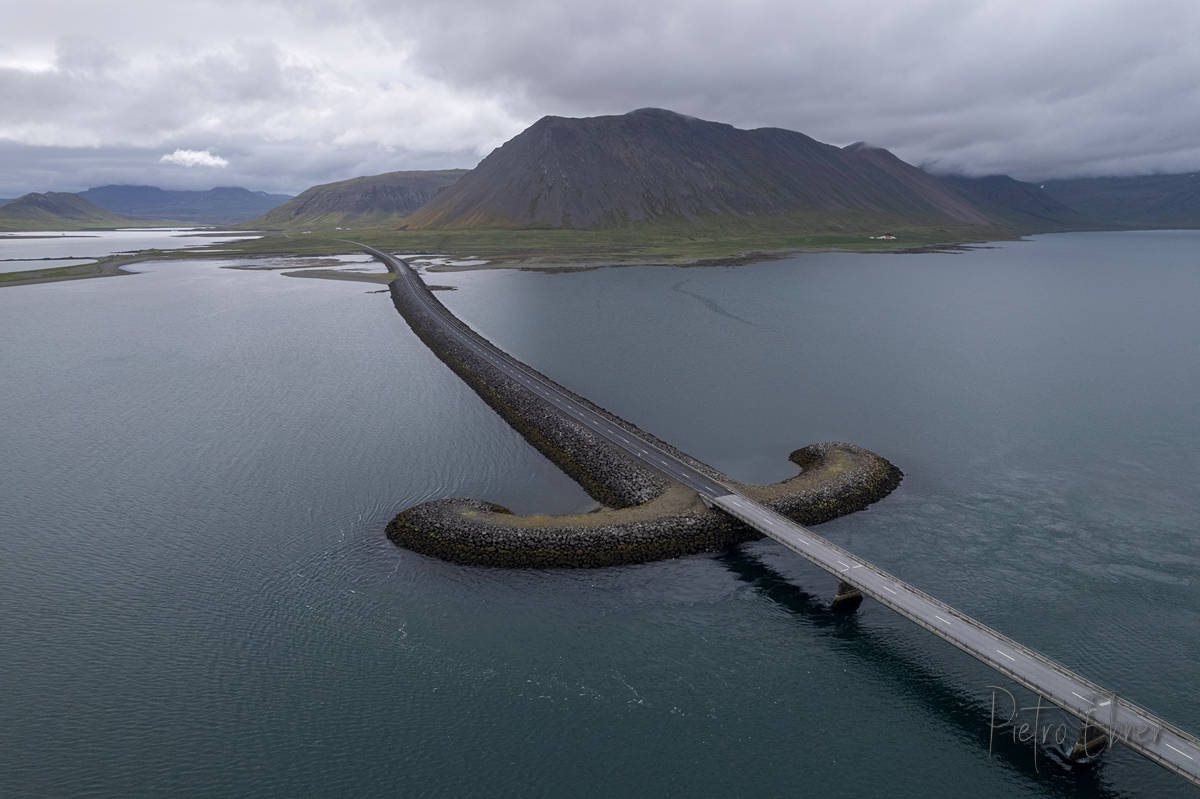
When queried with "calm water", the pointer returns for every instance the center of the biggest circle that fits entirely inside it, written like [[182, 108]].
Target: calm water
[[197, 598], [24, 251]]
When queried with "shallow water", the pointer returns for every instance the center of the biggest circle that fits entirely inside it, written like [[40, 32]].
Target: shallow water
[[197, 596], [21, 252]]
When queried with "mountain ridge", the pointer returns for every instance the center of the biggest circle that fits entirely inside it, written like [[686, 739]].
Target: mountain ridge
[[654, 164], [1155, 200], [372, 200], [221, 205], [59, 210], [1019, 205]]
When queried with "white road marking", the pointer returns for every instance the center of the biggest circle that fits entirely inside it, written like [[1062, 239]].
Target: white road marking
[[844, 565], [1010, 657], [1084, 698], [885, 588], [939, 618], [1180, 751]]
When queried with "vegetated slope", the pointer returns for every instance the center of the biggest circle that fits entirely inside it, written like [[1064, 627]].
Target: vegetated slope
[[1142, 201], [654, 164], [224, 205], [1021, 206], [59, 211], [360, 202]]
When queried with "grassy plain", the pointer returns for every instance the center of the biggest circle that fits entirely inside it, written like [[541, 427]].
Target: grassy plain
[[719, 240], [660, 242]]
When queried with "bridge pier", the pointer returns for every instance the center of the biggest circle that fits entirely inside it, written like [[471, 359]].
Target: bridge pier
[[847, 597], [1093, 740]]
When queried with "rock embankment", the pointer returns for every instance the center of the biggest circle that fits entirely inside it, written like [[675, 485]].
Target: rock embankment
[[837, 479], [648, 516], [609, 474]]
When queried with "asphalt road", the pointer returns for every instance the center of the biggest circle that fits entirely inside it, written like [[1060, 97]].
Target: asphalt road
[[1168, 746]]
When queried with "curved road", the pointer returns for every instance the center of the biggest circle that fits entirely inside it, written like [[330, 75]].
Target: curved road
[[1161, 742]]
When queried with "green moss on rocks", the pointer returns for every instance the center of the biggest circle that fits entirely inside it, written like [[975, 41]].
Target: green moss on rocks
[[837, 479]]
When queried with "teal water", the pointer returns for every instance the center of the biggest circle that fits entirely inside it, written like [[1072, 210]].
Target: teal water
[[196, 596]]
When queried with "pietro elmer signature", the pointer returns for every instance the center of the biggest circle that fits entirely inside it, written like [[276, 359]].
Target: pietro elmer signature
[[1026, 724]]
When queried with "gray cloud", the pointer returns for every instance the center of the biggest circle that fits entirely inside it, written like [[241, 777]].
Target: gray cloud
[[306, 91], [1036, 90]]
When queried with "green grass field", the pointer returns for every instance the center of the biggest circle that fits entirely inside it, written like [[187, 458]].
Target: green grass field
[[717, 240], [667, 242]]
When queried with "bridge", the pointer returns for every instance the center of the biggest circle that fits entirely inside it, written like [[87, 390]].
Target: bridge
[[1106, 718]]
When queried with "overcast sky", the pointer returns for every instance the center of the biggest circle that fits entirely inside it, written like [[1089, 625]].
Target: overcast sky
[[281, 95]]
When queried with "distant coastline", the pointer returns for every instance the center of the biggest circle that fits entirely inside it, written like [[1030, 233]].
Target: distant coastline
[[113, 266]]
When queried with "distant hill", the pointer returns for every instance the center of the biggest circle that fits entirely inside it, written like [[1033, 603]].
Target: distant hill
[[59, 211], [359, 202], [1143, 201], [653, 164], [224, 205], [1018, 205]]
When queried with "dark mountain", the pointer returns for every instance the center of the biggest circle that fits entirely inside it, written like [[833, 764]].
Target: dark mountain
[[59, 211], [360, 202], [1143, 201], [1018, 205], [653, 164], [224, 205]]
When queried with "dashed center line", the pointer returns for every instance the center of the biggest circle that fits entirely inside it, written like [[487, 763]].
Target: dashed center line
[[1010, 657], [939, 618], [1180, 751]]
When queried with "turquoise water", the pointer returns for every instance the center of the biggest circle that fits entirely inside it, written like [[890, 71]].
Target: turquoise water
[[196, 596]]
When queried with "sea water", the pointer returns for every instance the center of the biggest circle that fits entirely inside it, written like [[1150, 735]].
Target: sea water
[[197, 597]]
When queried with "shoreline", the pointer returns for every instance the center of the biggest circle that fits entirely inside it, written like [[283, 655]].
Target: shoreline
[[544, 264], [111, 266]]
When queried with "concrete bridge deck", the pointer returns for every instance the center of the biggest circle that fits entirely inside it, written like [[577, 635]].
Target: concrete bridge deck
[[1098, 709]]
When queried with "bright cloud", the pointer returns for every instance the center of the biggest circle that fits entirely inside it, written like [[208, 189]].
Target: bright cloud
[[194, 158]]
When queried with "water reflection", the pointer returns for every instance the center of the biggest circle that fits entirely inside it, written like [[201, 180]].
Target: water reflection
[[937, 690]]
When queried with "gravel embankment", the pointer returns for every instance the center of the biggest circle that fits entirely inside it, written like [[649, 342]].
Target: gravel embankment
[[652, 517]]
